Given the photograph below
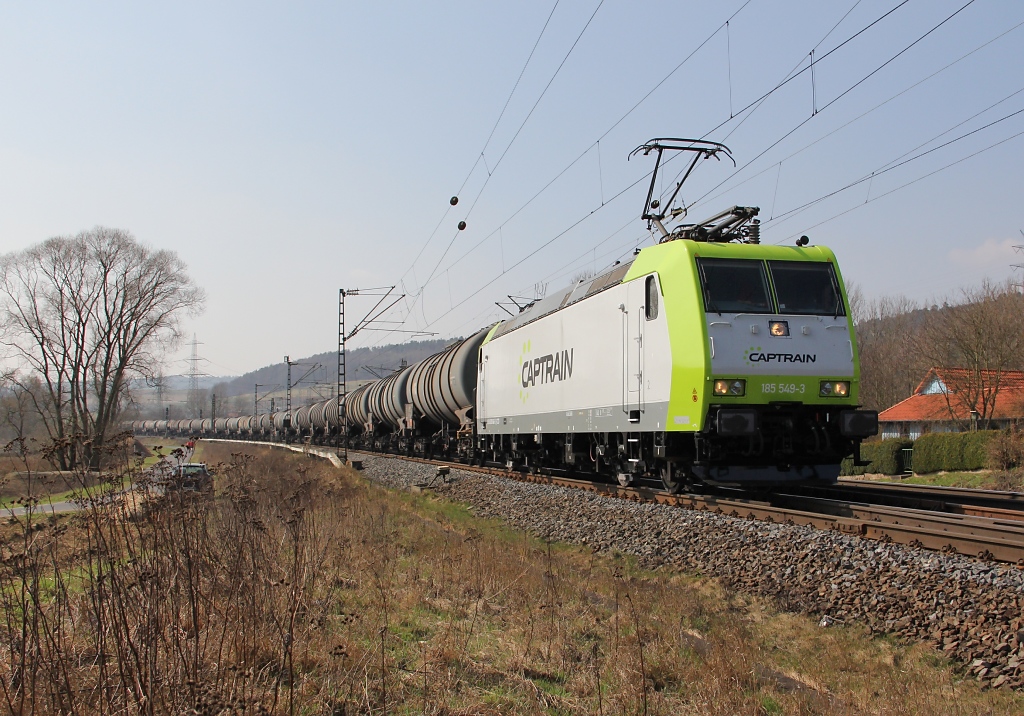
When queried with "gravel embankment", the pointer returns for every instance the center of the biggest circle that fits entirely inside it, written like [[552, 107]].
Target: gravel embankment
[[970, 610]]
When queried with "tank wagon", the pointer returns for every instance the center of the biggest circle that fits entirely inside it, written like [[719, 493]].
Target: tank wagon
[[707, 358]]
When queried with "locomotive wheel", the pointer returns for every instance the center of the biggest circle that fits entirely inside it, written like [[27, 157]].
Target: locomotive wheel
[[670, 479]]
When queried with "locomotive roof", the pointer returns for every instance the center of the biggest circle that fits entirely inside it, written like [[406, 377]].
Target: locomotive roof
[[647, 261], [577, 292]]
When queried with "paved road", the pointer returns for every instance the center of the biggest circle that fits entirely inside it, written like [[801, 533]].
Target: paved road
[[42, 509]]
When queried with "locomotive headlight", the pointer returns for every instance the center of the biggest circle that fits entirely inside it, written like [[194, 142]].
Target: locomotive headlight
[[835, 388], [778, 328], [730, 387]]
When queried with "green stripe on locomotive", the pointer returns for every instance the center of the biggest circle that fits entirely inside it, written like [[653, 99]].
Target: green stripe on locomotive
[[692, 377]]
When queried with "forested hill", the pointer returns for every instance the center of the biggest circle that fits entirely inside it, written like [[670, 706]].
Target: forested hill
[[389, 356]]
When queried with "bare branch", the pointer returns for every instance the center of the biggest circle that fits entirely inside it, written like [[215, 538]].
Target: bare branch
[[86, 314]]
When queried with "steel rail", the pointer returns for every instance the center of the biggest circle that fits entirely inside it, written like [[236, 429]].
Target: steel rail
[[954, 500]]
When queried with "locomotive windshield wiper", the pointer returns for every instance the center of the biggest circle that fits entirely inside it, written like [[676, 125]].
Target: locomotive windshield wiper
[[708, 300], [712, 306]]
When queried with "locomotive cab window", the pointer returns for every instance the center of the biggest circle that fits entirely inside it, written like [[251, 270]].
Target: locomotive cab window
[[806, 288], [652, 298], [734, 286]]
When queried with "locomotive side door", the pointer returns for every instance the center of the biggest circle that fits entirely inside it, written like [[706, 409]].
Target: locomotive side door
[[633, 351], [481, 392]]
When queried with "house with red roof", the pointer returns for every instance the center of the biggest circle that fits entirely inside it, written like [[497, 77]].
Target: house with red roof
[[945, 400]]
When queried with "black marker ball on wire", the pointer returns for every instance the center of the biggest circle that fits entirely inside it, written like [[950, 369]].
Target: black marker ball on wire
[[462, 225]]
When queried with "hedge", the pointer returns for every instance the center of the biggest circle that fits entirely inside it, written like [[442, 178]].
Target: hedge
[[952, 451], [885, 456]]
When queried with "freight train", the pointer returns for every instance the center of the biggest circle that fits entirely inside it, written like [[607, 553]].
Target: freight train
[[707, 358]]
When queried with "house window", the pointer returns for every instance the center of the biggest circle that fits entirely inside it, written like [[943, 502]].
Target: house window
[[934, 387]]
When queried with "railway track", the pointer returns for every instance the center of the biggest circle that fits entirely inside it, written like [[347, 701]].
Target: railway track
[[955, 500], [987, 537], [976, 535]]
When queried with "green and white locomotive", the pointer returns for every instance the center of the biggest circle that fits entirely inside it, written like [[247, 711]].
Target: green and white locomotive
[[708, 358], [696, 361]]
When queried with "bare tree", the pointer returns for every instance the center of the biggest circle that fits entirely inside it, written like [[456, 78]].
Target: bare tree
[[858, 303], [85, 314], [19, 420], [983, 335], [887, 342]]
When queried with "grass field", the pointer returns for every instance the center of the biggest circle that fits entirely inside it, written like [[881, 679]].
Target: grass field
[[300, 588]]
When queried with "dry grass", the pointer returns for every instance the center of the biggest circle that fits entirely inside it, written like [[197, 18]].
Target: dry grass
[[1006, 480], [301, 589]]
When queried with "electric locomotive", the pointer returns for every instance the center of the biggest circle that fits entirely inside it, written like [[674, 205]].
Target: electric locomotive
[[698, 361], [707, 358]]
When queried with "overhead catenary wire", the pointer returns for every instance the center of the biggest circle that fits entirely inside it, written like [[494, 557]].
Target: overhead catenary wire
[[540, 248], [790, 76], [672, 72], [764, 99], [876, 107], [487, 142], [512, 141], [907, 184], [752, 104], [595, 143], [756, 103], [418, 294], [845, 92], [725, 25], [619, 194], [896, 163]]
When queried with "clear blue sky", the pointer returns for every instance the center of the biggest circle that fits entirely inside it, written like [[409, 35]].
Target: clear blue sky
[[285, 150]]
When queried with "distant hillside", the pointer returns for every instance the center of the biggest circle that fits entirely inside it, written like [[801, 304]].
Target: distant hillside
[[899, 340], [389, 356], [181, 382]]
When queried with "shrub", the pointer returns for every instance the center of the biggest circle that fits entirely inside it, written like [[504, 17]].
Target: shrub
[[1009, 480], [1006, 450], [952, 451], [884, 456]]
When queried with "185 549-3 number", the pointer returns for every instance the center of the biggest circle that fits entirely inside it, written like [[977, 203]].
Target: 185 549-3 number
[[783, 388]]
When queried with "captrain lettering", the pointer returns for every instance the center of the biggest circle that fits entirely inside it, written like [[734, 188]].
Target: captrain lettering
[[548, 369], [782, 357]]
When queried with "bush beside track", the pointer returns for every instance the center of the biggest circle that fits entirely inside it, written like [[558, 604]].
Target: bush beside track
[[884, 456], [952, 451], [933, 452]]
